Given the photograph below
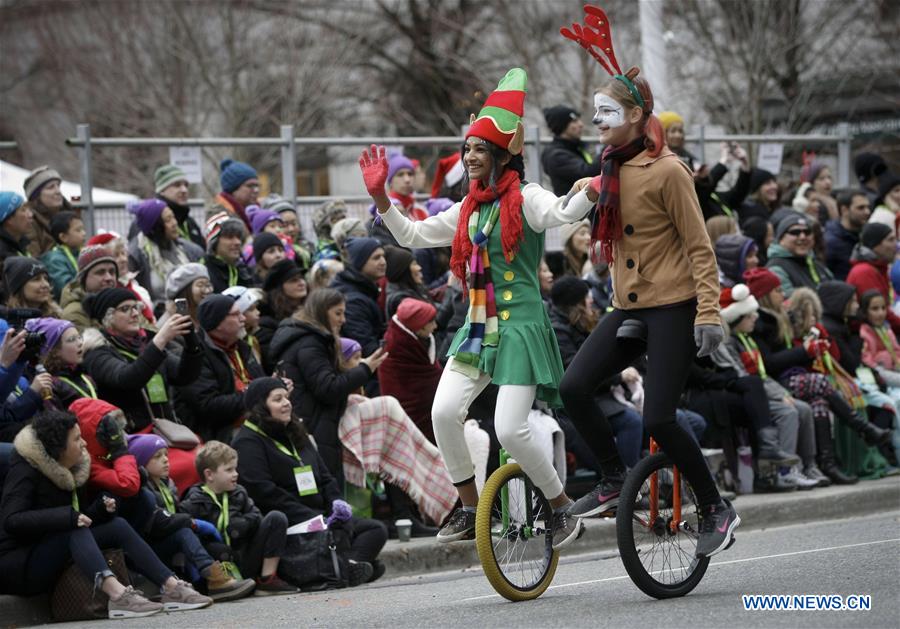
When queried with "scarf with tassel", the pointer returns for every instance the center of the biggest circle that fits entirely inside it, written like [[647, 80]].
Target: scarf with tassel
[[472, 243], [606, 219]]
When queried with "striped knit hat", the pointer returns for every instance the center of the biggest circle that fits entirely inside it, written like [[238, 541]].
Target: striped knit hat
[[216, 223], [166, 175], [500, 120]]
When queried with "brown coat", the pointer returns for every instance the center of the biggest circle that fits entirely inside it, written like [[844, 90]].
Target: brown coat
[[665, 256]]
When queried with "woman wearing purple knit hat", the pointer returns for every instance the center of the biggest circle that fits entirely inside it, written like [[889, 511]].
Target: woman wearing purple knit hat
[[400, 180], [158, 249]]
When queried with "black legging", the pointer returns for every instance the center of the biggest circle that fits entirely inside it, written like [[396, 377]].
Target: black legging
[[49, 557], [670, 350]]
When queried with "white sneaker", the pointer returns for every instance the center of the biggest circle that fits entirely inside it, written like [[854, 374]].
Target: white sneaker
[[801, 480]]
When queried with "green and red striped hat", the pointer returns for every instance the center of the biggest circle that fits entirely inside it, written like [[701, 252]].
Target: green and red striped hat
[[500, 119]]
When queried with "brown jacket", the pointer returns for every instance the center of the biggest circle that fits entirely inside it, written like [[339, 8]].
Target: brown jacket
[[665, 256]]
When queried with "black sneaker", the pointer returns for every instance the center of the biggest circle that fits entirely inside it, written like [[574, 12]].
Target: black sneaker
[[566, 529], [717, 526], [273, 585], [602, 499], [360, 572], [378, 570], [461, 525]]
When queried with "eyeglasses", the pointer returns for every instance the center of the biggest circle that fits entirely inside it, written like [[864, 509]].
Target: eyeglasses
[[799, 232], [128, 308]]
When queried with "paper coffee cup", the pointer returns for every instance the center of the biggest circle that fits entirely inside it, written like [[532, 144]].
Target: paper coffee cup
[[404, 529]]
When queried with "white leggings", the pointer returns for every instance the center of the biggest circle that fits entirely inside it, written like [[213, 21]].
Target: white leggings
[[455, 393]]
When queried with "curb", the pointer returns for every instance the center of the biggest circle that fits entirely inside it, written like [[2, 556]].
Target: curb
[[757, 511], [422, 556]]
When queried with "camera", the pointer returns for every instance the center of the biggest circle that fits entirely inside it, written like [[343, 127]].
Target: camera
[[16, 317]]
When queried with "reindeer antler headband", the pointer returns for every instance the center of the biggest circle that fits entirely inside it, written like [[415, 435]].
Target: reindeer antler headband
[[595, 36]]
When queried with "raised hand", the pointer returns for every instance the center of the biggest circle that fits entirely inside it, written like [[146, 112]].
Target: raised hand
[[374, 167]]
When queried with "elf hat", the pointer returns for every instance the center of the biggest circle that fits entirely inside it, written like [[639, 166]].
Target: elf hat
[[737, 302], [500, 119]]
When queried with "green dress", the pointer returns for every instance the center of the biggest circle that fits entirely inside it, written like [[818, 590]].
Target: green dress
[[527, 353]]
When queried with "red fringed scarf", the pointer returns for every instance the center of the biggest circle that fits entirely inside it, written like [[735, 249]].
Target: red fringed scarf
[[510, 194], [606, 220]]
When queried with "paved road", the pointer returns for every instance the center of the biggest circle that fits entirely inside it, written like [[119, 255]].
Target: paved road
[[852, 556]]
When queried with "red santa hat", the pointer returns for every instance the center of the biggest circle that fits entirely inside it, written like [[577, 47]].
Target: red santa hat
[[737, 302]]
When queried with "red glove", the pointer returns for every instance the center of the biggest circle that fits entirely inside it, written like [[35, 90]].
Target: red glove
[[374, 169], [816, 348]]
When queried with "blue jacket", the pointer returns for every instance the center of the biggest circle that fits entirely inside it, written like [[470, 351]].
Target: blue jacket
[[839, 243]]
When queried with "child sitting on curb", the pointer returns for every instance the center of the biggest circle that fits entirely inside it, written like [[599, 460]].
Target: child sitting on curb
[[258, 542], [171, 532]]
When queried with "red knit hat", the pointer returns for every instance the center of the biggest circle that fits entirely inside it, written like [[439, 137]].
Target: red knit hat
[[414, 314], [102, 239], [761, 281]]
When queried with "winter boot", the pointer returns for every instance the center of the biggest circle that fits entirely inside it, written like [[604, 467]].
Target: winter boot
[[767, 439], [870, 433], [221, 586], [825, 449]]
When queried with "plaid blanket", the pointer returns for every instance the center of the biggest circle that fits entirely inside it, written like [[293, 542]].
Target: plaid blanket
[[379, 437]]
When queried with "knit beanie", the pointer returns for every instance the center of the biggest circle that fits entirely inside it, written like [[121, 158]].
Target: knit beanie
[[398, 261], [259, 390], [218, 222], [283, 271], [415, 314], [147, 213], [397, 163], [568, 230], [103, 238], [19, 270], [761, 281], [668, 118], [568, 291], [244, 297], [559, 117], [183, 276], [731, 251], [793, 218], [37, 179], [278, 204], [263, 242], [9, 203], [737, 302], [341, 230], [144, 447], [885, 185], [873, 233], [261, 218], [835, 295], [97, 304], [438, 205], [868, 165], [324, 214], [500, 119], [51, 328], [758, 177], [233, 174], [349, 347], [213, 310], [811, 171], [359, 250], [166, 175], [89, 257]]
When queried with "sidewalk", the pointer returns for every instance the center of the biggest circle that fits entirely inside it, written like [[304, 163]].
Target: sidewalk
[[425, 555]]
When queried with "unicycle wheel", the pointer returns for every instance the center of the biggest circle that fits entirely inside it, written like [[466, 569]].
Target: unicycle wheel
[[659, 553], [513, 535]]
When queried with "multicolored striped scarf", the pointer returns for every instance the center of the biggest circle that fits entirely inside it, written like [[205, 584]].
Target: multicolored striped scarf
[[606, 219], [483, 326]]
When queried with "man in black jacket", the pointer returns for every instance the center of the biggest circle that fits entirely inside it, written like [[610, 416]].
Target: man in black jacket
[[213, 405], [567, 159]]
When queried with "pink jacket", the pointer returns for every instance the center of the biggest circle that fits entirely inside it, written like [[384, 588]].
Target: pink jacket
[[875, 354]]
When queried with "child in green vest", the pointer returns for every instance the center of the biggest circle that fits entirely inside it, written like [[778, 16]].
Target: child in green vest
[[61, 261]]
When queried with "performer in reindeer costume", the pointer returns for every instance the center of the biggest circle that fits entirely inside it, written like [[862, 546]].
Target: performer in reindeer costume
[[649, 228], [497, 235]]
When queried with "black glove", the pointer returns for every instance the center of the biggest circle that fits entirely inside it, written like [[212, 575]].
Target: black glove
[[111, 436]]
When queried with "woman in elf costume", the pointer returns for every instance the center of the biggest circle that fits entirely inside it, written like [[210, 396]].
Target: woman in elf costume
[[497, 235], [649, 228]]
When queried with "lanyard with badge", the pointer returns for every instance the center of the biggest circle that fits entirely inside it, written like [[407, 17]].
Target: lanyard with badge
[[155, 387], [303, 474], [68, 255], [753, 349], [886, 341], [91, 392], [222, 522], [167, 497]]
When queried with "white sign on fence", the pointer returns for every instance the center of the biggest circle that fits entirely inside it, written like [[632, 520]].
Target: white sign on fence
[[188, 159], [768, 156]]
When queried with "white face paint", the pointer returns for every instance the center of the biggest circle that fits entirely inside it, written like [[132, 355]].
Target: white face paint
[[608, 112]]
